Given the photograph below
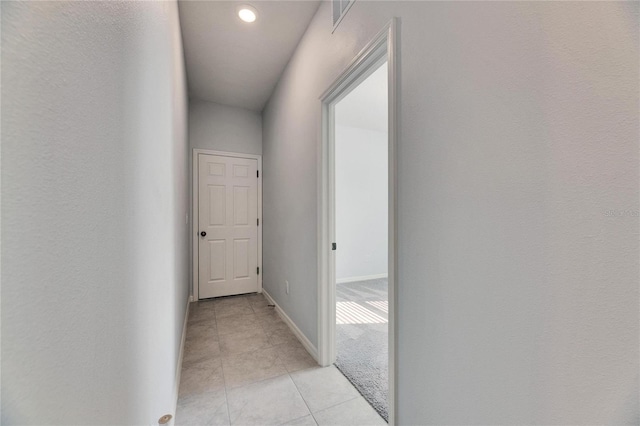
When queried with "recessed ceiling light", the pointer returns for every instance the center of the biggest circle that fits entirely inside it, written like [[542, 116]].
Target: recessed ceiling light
[[247, 13]]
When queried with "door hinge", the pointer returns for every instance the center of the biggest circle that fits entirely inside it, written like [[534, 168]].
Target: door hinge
[[257, 173], [334, 246], [258, 270], [258, 222]]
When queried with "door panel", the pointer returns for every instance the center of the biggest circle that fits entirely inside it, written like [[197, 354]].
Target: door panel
[[241, 258], [216, 169], [241, 205], [217, 205], [217, 258], [240, 171], [228, 213]]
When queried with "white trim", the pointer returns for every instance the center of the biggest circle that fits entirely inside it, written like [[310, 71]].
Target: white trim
[[194, 212], [382, 48], [342, 15], [176, 385], [360, 278], [394, 123], [313, 351]]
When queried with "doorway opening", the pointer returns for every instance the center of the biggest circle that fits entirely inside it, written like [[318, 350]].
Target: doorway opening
[[361, 224], [357, 223]]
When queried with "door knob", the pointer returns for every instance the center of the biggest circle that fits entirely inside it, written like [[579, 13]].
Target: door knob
[[204, 234]]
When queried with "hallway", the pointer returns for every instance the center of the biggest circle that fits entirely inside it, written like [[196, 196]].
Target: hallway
[[513, 212], [242, 365]]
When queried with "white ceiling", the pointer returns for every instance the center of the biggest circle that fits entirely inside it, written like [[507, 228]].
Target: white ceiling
[[366, 106], [235, 63]]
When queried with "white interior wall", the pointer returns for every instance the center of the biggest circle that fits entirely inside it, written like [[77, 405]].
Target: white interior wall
[[94, 185], [518, 291], [224, 128], [361, 202]]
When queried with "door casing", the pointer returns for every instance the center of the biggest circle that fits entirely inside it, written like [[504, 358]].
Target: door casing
[[195, 218], [382, 48]]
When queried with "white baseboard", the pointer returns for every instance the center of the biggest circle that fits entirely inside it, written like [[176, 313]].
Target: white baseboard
[[361, 278], [313, 351], [176, 386]]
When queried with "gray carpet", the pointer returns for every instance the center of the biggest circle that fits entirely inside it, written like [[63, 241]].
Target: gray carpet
[[362, 348]]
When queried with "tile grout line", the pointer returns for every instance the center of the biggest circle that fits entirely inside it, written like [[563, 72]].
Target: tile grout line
[[339, 403], [224, 379], [286, 371], [331, 406], [226, 401], [259, 381], [303, 400]]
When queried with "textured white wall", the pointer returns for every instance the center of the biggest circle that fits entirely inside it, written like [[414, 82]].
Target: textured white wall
[[224, 128], [361, 201], [518, 288], [94, 260]]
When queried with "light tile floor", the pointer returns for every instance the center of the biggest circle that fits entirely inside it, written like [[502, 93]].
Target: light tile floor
[[242, 365]]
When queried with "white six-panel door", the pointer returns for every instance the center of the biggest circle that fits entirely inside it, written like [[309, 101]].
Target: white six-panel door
[[228, 226]]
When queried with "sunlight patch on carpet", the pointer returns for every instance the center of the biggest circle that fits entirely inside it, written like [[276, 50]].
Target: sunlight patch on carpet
[[354, 313], [383, 305]]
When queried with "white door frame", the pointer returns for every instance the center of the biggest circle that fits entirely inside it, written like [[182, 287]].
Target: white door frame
[[194, 212], [382, 48]]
